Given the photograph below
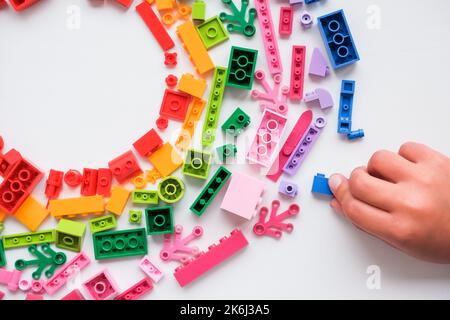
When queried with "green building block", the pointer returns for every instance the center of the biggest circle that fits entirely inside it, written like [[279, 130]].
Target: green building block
[[28, 239], [103, 223], [210, 191], [236, 122], [214, 106], [198, 10], [212, 32], [145, 197], [46, 258], [238, 22], [226, 151], [2, 255], [135, 216], [171, 189], [70, 235], [241, 67], [120, 244], [197, 164], [159, 220]]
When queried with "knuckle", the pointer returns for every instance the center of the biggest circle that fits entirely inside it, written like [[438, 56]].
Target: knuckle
[[378, 158], [407, 146], [404, 233], [350, 208], [357, 180]]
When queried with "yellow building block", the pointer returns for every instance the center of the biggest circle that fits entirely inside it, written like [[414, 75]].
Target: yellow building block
[[195, 47], [166, 159], [73, 207], [163, 5], [190, 85], [118, 200], [193, 116], [31, 213]]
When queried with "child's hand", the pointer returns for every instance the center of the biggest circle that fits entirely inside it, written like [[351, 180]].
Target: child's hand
[[403, 199]]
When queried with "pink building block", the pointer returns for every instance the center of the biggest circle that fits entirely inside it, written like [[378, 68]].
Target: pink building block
[[267, 139], [271, 98], [24, 285], [243, 195], [176, 247], [297, 73], [274, 226], [216, 254], [70, 269], [101, 286], [318, 66], [35, 297], [11, 279], [285, 23], [150, 269], [269, 37], [74, 295], [37, 286], [2, 295], [138, 290]]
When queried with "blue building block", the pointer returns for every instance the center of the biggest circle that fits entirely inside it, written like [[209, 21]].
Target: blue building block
[[338, 39], [310, 1], [320, 185], [346, 107], [357, 134]]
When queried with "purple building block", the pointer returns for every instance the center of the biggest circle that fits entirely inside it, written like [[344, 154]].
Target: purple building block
[[322, 96], [289, 189], [304, 146], [318, 66], [292, 2], [306, 20]]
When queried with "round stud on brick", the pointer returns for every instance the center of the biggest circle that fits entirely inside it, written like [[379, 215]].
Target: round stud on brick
[[73, 178]]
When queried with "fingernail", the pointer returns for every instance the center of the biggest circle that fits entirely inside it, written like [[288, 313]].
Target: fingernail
[[334, 182]]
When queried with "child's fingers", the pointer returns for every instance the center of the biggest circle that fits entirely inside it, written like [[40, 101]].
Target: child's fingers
[[389, 166], [372, 220], [416, 152], [369, 189]]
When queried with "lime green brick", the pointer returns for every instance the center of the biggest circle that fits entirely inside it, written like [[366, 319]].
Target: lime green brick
[[70, 235], [103, 223], [145, 197], [171, 189], [197, 164], [135, 217], [212, 32], [27, 239], [199, 10]]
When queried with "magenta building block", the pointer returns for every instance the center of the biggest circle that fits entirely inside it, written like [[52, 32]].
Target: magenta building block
[[269, 36], [318, 66], [150, 269], [289, 189], [243, 195], [268, 137], [32, 296], [274, 225], [176, 247], [74, 295], [322, 96], [273, 98], [101, 286], [304, 146], [2, 294]]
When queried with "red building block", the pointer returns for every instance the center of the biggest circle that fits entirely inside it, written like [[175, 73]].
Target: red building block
[[175, 105], [148, 143], [286, 17], [89, 183], [170, 59], [18, 184], [74, 295], [297, 73], [20, 5], [125, 3], [104, 182], [171, 80], [7, 160], [154, 24], [125, 167], [54, 184], [73, 178]]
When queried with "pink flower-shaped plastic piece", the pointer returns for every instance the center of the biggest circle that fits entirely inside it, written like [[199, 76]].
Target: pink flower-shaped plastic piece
[[176, 247], [272, 98], [274, 226]]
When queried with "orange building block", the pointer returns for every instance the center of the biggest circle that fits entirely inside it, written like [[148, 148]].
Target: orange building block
[[164, 5], [193, 116], [31, 213], [195, 47], [190, 85], [2, 216], [166, 160], [73, 207], [118, 200]]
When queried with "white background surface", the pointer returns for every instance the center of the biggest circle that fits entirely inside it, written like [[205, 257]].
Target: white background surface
[[78, 98]]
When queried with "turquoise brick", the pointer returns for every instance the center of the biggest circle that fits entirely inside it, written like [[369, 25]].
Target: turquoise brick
[[241, 68], [238, 121], [120, 244], [159, 220]]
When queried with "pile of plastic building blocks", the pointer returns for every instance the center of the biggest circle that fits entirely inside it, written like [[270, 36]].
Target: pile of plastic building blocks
[[56, 255]]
